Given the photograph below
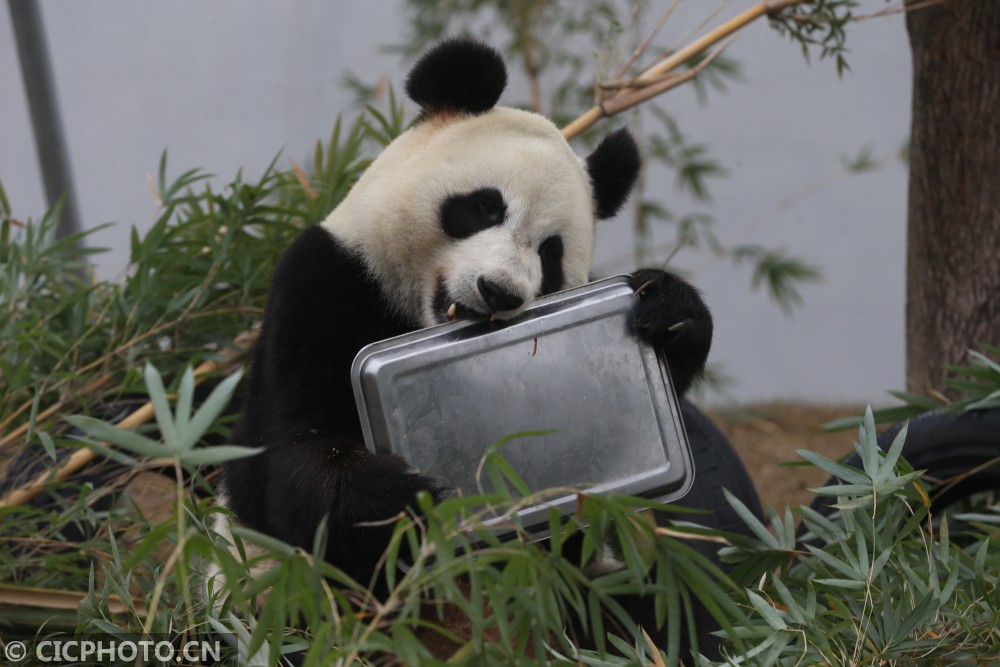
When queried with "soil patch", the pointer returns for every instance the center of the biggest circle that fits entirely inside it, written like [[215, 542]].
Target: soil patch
[[768, 434]]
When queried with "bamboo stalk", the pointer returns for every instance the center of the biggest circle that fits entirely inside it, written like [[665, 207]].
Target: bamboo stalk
[[46, 598], [598, 111], [140, 416]]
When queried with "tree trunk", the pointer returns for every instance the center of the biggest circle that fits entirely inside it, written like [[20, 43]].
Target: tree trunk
[[953, 253]]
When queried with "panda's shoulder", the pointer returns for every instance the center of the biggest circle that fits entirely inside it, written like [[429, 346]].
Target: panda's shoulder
[[312, 250], [317, 259], [323, 283]]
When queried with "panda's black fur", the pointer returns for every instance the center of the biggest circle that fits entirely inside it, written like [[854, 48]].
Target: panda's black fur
[[329, 299]]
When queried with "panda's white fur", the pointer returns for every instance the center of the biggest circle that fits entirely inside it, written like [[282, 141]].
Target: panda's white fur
[[390, 217]]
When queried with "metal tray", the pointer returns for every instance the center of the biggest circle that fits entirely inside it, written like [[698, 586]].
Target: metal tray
[[571, 362]]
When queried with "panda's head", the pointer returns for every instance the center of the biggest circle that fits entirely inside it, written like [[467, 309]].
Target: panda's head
[[477, 209]]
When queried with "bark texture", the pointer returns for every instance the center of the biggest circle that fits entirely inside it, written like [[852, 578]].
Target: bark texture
[[953, 253]]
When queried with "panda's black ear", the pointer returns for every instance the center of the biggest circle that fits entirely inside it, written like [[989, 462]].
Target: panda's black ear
[[613, 168], [457, 75]]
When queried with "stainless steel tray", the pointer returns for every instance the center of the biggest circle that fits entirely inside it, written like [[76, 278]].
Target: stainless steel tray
[[440, 396]]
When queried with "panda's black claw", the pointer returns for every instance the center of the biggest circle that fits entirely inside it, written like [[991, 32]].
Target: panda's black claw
[[642, 288], [670, 314]]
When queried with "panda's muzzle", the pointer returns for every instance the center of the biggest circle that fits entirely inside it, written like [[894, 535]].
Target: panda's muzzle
[[495, 297], [448, 309]]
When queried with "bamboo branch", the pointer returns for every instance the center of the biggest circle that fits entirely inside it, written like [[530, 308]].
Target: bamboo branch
[[143, 414], [632, 96], [639, 50], [615, 105]]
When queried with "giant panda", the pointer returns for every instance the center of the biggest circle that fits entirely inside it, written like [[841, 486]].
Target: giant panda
[[474, 212]]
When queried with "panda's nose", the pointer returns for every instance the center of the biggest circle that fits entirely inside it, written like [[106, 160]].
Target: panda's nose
[[496, 297]]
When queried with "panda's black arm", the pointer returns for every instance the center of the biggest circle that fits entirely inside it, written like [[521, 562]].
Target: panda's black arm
[[671, 315], [322, 308], [299, 405], [358, 493]]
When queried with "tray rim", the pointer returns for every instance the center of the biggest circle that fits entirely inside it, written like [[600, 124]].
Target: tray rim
[[680, 467]]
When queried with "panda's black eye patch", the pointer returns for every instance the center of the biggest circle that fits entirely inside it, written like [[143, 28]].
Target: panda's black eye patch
[[465, 215], [551, 253]]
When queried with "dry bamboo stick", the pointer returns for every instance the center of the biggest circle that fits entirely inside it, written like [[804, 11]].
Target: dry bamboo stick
[[77, 460], [46, 598], [22, 430]]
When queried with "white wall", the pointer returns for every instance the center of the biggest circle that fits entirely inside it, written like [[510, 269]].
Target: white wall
[[228, 84]]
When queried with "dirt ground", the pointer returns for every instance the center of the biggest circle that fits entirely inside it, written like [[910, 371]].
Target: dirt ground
[[768, 434]]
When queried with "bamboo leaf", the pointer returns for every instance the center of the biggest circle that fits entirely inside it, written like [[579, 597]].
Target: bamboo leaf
[[850, 584], [895, 449], [856, 503], [767, 611], [849, 475], [209, 411], [185, 398], [217, 454], [751, 521], [158, 397], [836, 564], [266, 541], [869, 446], [121, 438]]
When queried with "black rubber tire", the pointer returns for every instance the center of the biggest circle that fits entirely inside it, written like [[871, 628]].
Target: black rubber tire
[[946, 445], [716, 465]]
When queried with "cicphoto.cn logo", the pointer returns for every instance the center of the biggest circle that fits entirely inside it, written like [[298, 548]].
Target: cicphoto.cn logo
[[108, 650]]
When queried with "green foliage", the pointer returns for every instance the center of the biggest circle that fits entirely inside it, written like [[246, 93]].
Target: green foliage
[[862, 162], [977, 383], [196, 280], [818, 25], [876, 580], [69, 343], [778, 272], [522, 602], [180, 430], [45, 301]]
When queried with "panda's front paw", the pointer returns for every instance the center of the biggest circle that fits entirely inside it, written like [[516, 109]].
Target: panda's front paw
[[670, 314]]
